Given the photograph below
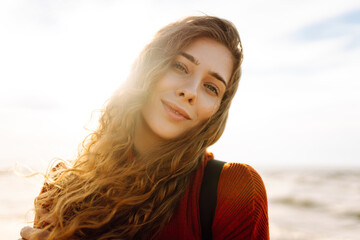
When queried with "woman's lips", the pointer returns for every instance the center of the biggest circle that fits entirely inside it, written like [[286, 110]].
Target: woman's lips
[[175, 112]]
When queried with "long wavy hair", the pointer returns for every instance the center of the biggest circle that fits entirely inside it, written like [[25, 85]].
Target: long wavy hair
[[109, 192]]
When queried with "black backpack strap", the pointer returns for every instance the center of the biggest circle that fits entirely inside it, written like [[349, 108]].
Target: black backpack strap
[[208, 196]]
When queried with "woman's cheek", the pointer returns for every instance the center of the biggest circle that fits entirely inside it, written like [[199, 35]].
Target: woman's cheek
[[209, 109]]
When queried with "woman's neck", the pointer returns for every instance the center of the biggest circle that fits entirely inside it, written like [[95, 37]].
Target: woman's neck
[[145, 140]]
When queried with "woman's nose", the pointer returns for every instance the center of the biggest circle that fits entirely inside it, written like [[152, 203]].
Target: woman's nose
[[188, 92]]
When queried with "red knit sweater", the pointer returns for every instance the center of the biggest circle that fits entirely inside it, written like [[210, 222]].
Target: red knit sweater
[[241, 210]]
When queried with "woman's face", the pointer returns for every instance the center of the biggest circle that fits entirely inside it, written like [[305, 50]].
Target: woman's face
[[190, 92]]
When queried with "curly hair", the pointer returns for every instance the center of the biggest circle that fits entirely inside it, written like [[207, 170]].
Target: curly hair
[[107, 192]]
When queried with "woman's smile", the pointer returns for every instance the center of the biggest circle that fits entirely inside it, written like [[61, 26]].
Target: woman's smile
[[175, 112]]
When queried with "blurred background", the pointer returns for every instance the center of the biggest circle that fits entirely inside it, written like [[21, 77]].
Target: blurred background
[[296, 116]]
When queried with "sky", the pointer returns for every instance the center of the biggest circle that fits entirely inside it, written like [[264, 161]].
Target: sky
[[298, 103]]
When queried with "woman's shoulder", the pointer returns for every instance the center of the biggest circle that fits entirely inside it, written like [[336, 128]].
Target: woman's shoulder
[[241, 209], [240, 171], [238, 179]]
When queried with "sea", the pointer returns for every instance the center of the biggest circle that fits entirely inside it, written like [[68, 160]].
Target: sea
[[304, 203]]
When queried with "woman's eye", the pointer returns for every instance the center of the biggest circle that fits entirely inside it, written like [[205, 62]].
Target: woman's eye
[[212, 89], [181, 67]]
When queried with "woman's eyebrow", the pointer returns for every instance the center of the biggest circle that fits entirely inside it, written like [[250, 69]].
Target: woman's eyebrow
[[195, 61], [190, 58], [218, 77]]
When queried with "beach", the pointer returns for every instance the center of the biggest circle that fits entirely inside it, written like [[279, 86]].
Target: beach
[[304, 204], [314, 204], [16, 201]]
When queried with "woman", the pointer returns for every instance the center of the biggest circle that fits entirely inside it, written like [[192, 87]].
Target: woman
[[138, 176]]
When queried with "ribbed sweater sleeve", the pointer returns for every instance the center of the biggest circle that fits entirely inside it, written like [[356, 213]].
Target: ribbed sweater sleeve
[[241, 211]]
